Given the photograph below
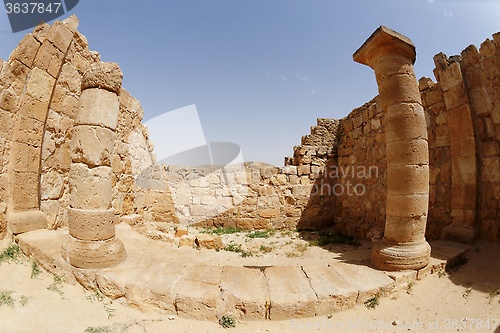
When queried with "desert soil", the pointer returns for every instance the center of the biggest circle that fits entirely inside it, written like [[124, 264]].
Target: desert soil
[[465, 300]]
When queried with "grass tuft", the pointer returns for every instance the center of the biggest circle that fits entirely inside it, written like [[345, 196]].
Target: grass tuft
[[227, 322], [12, 253], [373, 302]]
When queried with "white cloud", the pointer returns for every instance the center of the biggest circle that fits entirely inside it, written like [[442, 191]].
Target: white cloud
[[430, 1], [447, 13]]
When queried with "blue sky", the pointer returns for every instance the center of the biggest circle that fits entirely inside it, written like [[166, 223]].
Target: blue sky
[[261, 71]]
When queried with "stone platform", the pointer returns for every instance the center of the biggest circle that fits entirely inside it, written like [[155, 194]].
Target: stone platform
[[202, 284]]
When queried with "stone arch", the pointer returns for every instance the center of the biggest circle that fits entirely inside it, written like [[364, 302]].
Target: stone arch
[[42, 55]]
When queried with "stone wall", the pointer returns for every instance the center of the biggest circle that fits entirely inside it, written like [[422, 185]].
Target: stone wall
[[40, 87], [336, 177]]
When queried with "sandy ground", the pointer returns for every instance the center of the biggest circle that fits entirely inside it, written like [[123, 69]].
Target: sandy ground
[[462, 301]]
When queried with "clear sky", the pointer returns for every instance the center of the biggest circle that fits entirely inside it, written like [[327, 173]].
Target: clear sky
[[261, 71]]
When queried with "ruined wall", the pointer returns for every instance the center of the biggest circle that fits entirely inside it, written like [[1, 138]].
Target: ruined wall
[[336, 177], [40, 86]]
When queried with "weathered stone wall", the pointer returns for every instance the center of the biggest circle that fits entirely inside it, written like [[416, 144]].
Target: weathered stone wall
[[336, 177], [40, 86]]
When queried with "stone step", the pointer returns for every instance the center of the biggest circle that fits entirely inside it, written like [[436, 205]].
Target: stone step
[[206, 291]]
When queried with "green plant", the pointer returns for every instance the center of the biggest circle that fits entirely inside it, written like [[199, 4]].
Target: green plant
[[99, 329], [260, 233], [373, 301], [266, 249], [57, 284], [227, 322], [24, 300], [237, 248], [97, 296], [494, 293], [6, 298], [35, 270], [409, 286], [11, 253]]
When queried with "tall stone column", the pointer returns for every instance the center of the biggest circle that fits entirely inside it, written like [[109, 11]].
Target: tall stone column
[[91, 242], [392, 55]]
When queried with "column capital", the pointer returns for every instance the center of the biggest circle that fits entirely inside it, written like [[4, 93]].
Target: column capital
[[384, 42]]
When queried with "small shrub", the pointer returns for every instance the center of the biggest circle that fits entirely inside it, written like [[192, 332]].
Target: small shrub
[[266, 249], [35, 270], [494, 293], [12, 253], [260, 233], [227, 322], [57, 284], [237, 248], [6, 298], [409, 286], [373, 302]]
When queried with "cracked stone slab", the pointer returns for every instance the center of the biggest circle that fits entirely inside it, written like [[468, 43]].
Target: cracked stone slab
[[368, 281], [334, 291], [198, 292], [244, 293], [290, 292]]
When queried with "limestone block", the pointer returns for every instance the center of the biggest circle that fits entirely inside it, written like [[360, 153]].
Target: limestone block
[[26, 50], [28, 220], [407, 205], [40, 85], [244, 293], [451, 76], [132, 219], [70, 79], [410, 152], [90, 188], [8, 100], [334, 292], [92, 145], [404, 122], [51, 185], [409, 229], [98, 107], [104, 75], [33, 108], [304, 170], [24, 191], [408, 179], [6, 121], [28, 130], [181, 231], [401, 88], [455, 97], [92, 254], [25, 158], [490, 170], [91, 224], [290, 293], [187, 240], [207, 241], [60, 35], [49, 58]]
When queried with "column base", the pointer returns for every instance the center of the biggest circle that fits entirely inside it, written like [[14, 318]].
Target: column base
[[399, 257], [93, 254]]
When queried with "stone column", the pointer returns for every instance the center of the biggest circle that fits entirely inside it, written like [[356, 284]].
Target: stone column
[[91, 242], [392, 55]]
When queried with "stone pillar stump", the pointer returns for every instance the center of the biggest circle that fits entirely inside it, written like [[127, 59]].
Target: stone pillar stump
[[91, 242], [392, 55]]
